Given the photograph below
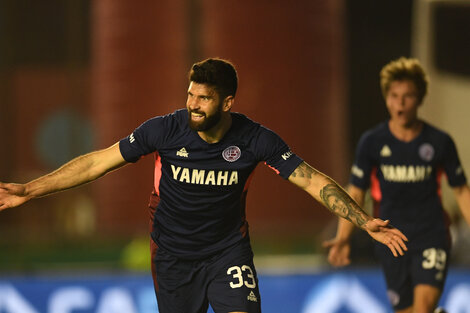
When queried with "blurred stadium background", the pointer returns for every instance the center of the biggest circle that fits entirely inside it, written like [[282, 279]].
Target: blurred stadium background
[[78, 75]]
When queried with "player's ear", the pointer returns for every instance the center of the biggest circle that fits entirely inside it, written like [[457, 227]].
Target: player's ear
[[228, 102]]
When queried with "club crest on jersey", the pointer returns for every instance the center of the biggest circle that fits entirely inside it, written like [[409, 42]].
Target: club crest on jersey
[[426, 152], [231, 154]]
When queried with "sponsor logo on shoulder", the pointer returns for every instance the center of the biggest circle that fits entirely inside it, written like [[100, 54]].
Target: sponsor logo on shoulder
[[252, 297], [385, 152], [356, 171], [131, 138], [182, 153], [231, 154], [287, 155]]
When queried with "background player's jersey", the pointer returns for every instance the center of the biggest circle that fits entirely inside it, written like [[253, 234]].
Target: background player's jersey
[[201, 187], [404, 178]]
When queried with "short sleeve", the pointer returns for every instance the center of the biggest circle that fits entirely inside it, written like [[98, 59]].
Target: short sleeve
[[363, 164], [452, 166], [146, 139], [271, 149]]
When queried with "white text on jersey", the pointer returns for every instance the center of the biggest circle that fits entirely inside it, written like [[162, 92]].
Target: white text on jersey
[[406, 174], [355, 170], [287, 155], [203, 177]]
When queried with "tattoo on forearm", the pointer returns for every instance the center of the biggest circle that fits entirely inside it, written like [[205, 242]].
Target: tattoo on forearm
[[303, 170], [337, 201]]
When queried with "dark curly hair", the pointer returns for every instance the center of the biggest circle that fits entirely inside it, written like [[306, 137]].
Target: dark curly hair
[[217, 73]]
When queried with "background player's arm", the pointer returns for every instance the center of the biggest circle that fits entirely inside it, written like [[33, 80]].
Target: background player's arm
[[76, 172], [326, 191], [462, 195], [339, 247]]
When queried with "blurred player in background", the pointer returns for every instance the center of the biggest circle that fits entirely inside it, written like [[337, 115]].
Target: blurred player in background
[[205, 157], [402, 161]]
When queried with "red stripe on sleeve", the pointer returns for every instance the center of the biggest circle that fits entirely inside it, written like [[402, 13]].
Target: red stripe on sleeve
[[158, 173], [277, 172], [375, 191], [439, 174]]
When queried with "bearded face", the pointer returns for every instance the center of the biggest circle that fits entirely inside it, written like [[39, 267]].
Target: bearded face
[[204, 107], [202, 121]]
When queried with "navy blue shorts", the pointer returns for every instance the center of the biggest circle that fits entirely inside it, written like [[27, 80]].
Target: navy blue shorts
[[227, 281], [427, 266]]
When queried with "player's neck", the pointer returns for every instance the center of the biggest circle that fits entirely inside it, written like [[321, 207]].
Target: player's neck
[[216, 133], [405, 132]]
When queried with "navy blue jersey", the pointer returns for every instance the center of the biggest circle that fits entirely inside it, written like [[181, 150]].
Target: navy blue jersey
[[202, 187], [404, 178]]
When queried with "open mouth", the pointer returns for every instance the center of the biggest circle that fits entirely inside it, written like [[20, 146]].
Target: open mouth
[[197, 116]]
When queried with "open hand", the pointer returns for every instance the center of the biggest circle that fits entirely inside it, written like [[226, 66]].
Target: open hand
[[338, 254], [385, 233], [11, 195]]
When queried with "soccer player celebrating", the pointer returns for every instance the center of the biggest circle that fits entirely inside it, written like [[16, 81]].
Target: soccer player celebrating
[[402, 161], [206, 155]]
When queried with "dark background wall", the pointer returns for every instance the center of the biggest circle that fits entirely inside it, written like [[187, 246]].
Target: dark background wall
[[377, 32]]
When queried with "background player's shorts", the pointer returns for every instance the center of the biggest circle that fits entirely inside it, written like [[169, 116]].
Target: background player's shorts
[[227, 281], [418, 266]]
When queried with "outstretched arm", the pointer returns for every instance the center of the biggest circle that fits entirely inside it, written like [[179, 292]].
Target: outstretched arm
[[340, 247], [326, 191], [78, 171], [462, 195]]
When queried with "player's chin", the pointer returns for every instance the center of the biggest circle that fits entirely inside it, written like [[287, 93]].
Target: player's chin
[[197, 125]]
